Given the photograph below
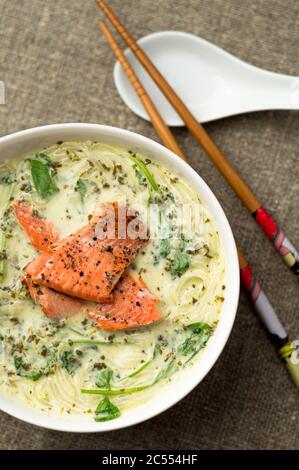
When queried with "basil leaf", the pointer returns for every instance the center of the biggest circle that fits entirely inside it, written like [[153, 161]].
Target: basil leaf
[[42, 179], [106, 411]]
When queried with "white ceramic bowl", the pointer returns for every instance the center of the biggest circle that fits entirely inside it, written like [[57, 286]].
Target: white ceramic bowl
[[34, 139]]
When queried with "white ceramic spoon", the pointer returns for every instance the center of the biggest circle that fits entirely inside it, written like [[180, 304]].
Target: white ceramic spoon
[[212, 83]]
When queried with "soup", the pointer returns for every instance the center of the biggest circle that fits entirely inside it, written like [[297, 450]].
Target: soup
[[94, 321]]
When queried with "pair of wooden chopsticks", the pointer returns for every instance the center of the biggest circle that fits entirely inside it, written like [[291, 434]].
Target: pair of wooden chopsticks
[[262, 305], [263, 218]]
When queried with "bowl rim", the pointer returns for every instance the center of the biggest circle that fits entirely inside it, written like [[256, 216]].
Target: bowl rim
[[204, 365]]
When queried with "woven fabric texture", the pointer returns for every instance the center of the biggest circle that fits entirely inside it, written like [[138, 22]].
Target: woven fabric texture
[[57, 67]]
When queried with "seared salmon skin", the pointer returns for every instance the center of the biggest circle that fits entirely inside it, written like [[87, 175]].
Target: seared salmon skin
[[54, 304], [133, 306], [40, 232], [89, 263]]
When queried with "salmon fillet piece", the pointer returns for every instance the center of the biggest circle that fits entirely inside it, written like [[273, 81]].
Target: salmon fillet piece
[[86, 265], [133, 306], [42, 236], [40, 232], [54, 304]]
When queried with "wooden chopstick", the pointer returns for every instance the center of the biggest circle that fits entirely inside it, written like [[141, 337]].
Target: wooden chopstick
[[262, 306], [263, 218], [156, 118]]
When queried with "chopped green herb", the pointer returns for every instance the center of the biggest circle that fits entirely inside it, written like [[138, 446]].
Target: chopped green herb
[[41, 176], [200, 334], [70, 361], [44, 158], [99, 343], [123, 391], [164, 248], [138, 164], [146, 364], [163, 374], [3, 233], [6, 179], [21, 369], [106, 411], [180, 264], [81, 188], [24, 369], [104, 378]]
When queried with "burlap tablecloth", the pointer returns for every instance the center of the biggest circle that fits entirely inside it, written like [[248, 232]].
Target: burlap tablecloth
[[57, 68]]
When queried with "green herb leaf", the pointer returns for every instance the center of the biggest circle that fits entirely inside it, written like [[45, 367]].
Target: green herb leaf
[[70, 361], [138, 164], [122, 391], [4, 240], [44, 158], [21, 367], [106, 411], [100, 343], [24, 369], [6, 179], [180, 264], [41, 177], [104, 378], [164, 248], [146, 364], [81, 188], [199, 337], [165, 372]]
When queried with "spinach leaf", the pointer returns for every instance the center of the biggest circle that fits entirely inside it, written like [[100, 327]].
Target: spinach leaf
[[69, 361], [24, 369], [180, 264], [104, 378], [141, 167], [200, 334], [44, 158], [106, 411], [41, 176], [81, 188]]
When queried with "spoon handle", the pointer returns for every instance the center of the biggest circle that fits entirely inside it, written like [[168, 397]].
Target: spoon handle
[[268, 90]]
